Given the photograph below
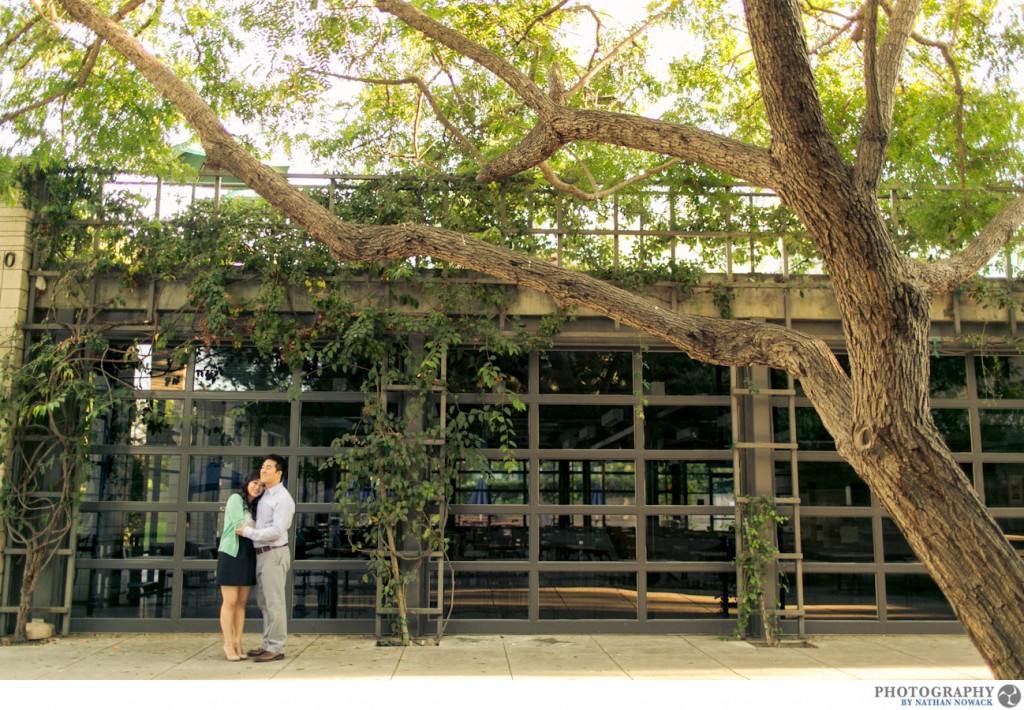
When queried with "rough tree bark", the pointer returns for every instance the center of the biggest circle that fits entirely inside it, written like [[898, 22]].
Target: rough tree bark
[[879, 417]]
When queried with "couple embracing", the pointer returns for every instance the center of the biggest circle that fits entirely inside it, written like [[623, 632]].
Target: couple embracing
[[254, 552]]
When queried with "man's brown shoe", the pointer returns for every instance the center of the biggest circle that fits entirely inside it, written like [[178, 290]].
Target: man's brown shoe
[[268, 656], [255, 652]]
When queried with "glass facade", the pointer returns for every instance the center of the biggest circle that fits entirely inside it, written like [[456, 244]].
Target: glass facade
[[618, 506]]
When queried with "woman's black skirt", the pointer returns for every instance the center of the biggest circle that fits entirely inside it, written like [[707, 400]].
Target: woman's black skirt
[[239, 571]]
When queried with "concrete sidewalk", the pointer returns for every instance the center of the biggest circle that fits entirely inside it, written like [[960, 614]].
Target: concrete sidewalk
[[169, 657]]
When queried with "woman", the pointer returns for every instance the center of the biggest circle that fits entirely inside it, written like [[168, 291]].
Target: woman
[[236, 565]]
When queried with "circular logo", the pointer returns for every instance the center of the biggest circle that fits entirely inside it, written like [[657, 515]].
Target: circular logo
[[1009, 696]]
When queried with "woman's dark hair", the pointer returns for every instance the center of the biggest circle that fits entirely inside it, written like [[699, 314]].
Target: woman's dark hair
[[244, 492]]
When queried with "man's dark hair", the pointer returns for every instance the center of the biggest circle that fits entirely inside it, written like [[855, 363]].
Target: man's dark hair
[[279, 461]]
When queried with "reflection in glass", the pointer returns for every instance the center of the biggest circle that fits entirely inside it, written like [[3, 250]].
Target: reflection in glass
[[320, 536], [690, 595], [583, 538], [688, 428], [1004, 485], [318, 478], [240, 423], [999, 377], [689, 538], [202, 534], [126, 534], [587, 595], [690, 483], [895, 545], [832, 483], [122, 477], [512, 432], [136, 366], [678, 374], [323, 422], [488, 537], [471, 370], [955, 427], [230, 369], [811, 434], [122, 594], [783, 478], [333, 594], [1002, 430], [840, 596], [345, 377], [200, 596], [575, 482], [495, 486], [488, 595], [583, 427], [948, 377], [837, 539], [214, 478], [140, 422], [915, 597], [584, 372]]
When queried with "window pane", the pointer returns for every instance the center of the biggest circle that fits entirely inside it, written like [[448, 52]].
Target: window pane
[[690, 595], [512, 432], [687, 428], [333, 594], [320, 536], [581, 427], [678, 374], [323, 422], [915, 597], [840, 596], [153, 478], [955, 427], [200, 597], [122, 594], [126, 534], [488, 537], [140, 422], [690, 483], [896, 547], [489, 595], [574, 482], [811, 434], [588, 537], [319, 377], [948, 377], [241, 423], [202, 534], [691, 538], [228, 369], [832, 483], [587, 595], [471, 370], [495, 486], [1002, 429], [837, 539], [214, 478], [136, 366], [567, 372], [317, 480], [999, 377], [1004, 485]]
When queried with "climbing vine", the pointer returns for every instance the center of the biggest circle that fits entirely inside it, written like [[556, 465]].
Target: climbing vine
[[757, 566]]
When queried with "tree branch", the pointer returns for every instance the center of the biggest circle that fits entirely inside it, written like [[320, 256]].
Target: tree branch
[[881, 75], [947, 274], [559, 125], [560, 184]]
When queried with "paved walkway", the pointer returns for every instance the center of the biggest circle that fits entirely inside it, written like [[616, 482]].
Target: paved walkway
[[197, 657]]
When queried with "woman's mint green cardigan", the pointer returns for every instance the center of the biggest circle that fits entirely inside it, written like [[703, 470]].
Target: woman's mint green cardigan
[[234, 517]]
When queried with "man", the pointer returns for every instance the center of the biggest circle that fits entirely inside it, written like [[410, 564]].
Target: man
[[273, 559]]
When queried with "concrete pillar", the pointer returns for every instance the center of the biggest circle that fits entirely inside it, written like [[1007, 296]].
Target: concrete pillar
[[15, 261]]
